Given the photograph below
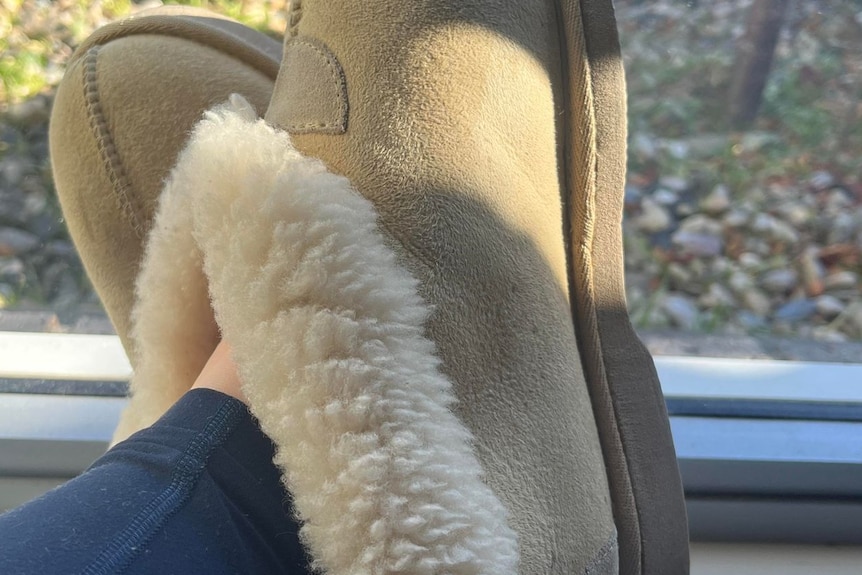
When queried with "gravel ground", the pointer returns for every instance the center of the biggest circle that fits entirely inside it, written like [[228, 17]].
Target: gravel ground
[[744, 233], [726, 233]]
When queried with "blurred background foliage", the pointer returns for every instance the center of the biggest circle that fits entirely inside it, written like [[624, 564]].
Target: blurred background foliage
[[36, 36], [730, 228]]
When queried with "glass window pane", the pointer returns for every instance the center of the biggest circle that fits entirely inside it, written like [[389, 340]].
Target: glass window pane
[[744, 199]]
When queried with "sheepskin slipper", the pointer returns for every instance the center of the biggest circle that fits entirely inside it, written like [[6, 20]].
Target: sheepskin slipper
[[327, 333], [490, 137], [131, 94]]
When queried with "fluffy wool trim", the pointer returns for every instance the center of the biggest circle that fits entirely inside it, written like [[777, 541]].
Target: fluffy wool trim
[[327, 333]]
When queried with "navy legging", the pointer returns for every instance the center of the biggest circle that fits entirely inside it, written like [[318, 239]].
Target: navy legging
[[195, 493]]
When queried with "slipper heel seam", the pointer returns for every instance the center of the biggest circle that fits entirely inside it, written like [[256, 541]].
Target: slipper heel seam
[[111, 159], [579, 92]]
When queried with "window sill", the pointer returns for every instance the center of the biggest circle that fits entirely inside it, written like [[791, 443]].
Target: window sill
[[773, 470]]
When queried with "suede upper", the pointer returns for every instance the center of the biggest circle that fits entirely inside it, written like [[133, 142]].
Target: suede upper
[[452, 135]]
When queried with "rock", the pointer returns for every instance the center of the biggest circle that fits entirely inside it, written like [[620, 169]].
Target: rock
[[836, 202], [721, 266], [678, 149], [14, 241], [66, 294], [740, 282], [750, 260], [737, 218], [804, 331], [647, 315], [780, 281], [846, 295], [762, 223], [796, 310], [35, 204], [717, 202], [698, 268], [842, 228], [827, 334], [812, 271], [758, 246], [10, 137], [755, 198], [840, 280], [717, 296], [821, 180], [731, 329], [665, 197], [854, 319], [653, 217], [681, 311], [61, 249], [657, 318], [829, 306], [635, 296], [7, 292], [13, 168], [779, 192], [44, 225], [679, 274], [754, 141], [12, 209], [643, 146], [30, 112], [698, 244], [684, 209], [701, 224], [50, 275], [750, 321], [11, 270], [757, 302], [673, 183], [796, 213], [633, 195], [774, 228], [784, 232]]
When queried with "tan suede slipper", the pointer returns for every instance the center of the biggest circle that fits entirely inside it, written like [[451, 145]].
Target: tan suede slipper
[[490, 138], [130, 96]]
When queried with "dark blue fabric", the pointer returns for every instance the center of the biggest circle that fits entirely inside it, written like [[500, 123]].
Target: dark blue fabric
[[195, 493]]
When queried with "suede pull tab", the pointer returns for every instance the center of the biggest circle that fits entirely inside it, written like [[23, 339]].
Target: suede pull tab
[[311, 92]]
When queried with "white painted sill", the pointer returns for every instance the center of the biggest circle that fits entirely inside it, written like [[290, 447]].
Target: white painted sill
[[768, 450]]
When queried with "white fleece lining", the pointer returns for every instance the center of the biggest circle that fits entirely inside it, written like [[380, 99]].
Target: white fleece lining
[[173, 329], [327, 331]]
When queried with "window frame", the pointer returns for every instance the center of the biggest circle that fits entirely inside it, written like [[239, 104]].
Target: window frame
[[781, 471]]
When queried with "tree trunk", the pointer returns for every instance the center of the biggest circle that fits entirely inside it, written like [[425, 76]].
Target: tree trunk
[[754, 59]]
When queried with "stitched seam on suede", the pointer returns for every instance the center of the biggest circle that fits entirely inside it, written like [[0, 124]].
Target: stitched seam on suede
[[294, 18], [104, 141], [621, 433], [240, 49], [336, 74], [584, 211], [625, 480], [124, 547], [599, 561]]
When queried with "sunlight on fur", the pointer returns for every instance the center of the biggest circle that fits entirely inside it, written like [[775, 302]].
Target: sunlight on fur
[[327, 331]]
